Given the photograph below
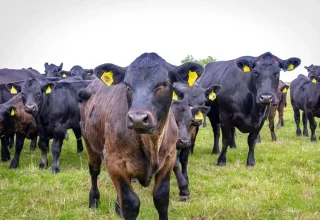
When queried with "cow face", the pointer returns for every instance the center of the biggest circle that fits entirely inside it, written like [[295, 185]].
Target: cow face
[[52, 70], [265, 73], [148, 82], [313, 72], [6, 118], [196, 95], [32, 92]]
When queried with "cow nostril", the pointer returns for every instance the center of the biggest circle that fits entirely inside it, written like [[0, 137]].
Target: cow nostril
[[145, 119], [184, 141]]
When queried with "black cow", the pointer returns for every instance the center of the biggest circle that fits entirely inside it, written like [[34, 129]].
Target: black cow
[[313, 72], [249, 86], [52, 70], [304, 95], [55, 108], [14, 75], [187, 121]]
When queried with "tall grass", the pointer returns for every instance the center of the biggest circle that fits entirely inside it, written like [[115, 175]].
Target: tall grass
[[284, 184]]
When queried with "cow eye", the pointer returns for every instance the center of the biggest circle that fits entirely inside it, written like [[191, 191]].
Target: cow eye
[[38, 94], [160, 86], [23, 97], [256, 73]]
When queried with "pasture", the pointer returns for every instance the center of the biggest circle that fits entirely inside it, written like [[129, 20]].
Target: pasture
[[284, 184]]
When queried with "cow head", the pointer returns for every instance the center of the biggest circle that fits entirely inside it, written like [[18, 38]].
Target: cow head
[[195, 95], [88, 74], [52, 70], [6, 117], [32, 92], [264, 72], [313, 72], [148, 82]]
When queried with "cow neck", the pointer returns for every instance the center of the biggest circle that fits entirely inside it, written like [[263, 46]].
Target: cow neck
[[43, 113], [151, 143]]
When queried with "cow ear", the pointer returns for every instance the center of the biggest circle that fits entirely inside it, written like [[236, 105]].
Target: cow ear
[[88, 72], [64, 74], [285, 88], [13, 88], [60, 67], [244, 64], [290, 64], [47, 88], [198, 114], [110, 74], [46, 65], [11, 110], [212, 91], [178, 91], [186, 73]]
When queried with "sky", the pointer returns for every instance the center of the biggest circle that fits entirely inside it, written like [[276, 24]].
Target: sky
[[93, 32]]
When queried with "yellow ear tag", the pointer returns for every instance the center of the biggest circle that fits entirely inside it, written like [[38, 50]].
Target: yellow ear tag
[[12, 112], [246, 69], [174, 96], [192, 77], [13, 90], [48, 90], [290, 67], [64, 75], [314, 80], [284, 90], [199, 116], [212, 96], [107, 78]]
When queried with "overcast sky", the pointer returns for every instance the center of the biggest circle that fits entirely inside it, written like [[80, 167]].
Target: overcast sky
[[92, 32]]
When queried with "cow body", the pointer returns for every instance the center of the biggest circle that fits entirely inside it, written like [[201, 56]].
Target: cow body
[[304, 95], [249, 86], [132, 127], [282, 97], [16, 120], [14, 75]]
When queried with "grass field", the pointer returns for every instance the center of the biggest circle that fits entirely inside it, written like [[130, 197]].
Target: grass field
[[284, 184]]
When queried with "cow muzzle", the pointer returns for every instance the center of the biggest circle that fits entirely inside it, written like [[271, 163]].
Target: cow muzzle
[[30, 109], [140, 121], [267, 98], [183, 143]]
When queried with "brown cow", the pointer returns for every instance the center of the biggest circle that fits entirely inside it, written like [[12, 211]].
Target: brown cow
[[13, 118], [132, 127], [282, 96]]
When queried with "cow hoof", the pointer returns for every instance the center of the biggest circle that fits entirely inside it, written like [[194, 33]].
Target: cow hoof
[[233, 146], [250, 164], [306, 135], [94, 203], [185, 198], [215, 152], [5, 159], [221, 164], [279, 126], [55, 169], [298, 133], [134, 180], [118, 209], [80, 150], [14, 164], [313, 139], [43, 165]]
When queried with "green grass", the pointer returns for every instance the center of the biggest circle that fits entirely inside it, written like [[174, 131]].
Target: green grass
[[284, 184]]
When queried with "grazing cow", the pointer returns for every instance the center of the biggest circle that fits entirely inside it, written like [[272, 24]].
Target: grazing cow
[[132, 127], [304, 95], [55, 108], [52, 70], [249, 86], [13, 118], [282, 97]]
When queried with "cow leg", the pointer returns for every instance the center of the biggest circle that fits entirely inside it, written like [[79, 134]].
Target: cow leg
[[33, 143], [297, 120], [19, 145], [66, 136], [259, 138], [313, 125], [216, 134], [271, 127], [182, 182], [5, 153], [184, 158], [10, 140], [280, 112], [233, 138], [161, 194], [77, 133], [305, 124], [56, 151], [44, 147], [128, 203], [252, 139], [226, 139]]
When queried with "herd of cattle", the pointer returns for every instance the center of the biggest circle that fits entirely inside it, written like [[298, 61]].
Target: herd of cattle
[[142, 120]]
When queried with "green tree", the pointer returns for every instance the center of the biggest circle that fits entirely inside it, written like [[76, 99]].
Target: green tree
[[202, 62]]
